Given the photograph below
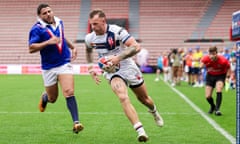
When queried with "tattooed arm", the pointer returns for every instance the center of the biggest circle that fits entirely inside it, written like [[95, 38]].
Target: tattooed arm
[[92, 72], [132, 48]]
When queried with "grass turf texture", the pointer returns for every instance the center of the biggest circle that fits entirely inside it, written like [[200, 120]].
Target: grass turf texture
[[102, 116]]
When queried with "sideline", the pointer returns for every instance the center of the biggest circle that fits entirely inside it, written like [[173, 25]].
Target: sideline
[[204, 115]]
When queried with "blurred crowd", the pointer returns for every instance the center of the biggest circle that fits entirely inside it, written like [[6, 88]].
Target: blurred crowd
[[181, 64]]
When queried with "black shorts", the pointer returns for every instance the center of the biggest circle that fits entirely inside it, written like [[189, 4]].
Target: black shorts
[[195, 70], [190, 70], [212, 79]]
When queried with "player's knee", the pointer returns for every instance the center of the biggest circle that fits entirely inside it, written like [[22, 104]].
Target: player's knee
[[123, 99], [144, 100], [208, 96], [68, 92], [52, 100]]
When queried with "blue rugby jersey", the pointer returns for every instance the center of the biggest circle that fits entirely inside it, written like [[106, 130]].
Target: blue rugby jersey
[[52, 55]]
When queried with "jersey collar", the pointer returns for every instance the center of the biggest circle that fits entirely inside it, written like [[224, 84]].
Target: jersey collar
[[44, 24]]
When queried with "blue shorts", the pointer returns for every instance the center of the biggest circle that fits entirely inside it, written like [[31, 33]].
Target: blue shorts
[[195, 70]]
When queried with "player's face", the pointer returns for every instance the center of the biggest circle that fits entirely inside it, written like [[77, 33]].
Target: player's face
[[98, 25], [213, 56], [47, 15]]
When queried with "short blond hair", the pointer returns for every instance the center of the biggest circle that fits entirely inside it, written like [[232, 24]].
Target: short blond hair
[[98, 12]]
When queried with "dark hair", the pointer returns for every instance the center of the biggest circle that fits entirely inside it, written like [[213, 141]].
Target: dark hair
[[212, 49], [98, 12], [174, 51], [41, 6]]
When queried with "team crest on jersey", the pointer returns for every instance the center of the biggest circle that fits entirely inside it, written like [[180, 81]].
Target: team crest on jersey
[[110, 41]]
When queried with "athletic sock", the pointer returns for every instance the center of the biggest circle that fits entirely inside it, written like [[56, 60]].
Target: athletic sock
[[218, 100], [210, 101], [72, 107], [138, 127], [45, 98], [153, 110]]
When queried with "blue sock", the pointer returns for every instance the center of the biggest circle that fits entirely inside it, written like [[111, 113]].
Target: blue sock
[[72, 107]]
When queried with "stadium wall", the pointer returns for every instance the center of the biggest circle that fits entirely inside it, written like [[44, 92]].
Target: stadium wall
[[36, 69]]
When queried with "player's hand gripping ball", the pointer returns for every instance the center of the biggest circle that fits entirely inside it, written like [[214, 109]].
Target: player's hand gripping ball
[[107, 66]]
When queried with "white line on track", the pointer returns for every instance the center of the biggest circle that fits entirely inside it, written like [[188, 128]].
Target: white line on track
[[205, 116]]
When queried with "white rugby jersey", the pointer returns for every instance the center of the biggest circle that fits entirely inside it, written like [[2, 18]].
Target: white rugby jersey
[[111, 43]]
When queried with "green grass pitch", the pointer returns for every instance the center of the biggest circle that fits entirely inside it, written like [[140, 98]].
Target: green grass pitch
[[183, 108]]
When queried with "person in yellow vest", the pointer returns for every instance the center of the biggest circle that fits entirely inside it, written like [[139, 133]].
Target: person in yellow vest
[[197, 55]]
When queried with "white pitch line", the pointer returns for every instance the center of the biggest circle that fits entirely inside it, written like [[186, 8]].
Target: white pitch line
[[207, 118], [94, 113]]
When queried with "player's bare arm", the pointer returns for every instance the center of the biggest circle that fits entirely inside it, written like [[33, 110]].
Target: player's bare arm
[[69, 43], [89, 58], [89, 55], [38, 46], [228, 74], [74, 50], [74, 54], [132, 48]]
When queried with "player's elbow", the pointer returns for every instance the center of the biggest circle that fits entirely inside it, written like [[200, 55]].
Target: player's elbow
[[31, 49], [137, 47]]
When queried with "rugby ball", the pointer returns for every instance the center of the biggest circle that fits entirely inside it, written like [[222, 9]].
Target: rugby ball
[[107, 66]]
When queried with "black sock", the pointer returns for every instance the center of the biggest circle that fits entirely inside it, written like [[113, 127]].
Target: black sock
[[218, 100], [45, 98], [210, 101], [72, 107]]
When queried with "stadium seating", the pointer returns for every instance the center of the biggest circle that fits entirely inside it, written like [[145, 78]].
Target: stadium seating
[[113, 9], [222, 21], [165, 24], [162, 24], [17, 17]]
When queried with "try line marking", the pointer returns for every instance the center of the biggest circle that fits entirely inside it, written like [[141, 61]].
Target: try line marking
[[205, 116]]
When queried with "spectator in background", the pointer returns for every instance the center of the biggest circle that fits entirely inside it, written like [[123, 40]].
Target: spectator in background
[[176, 64], [159, 68], [221, 51], [142, 57], [166, 68], [188, 66], [233, 64], [197, 55], [181, 73], [170, 61], [204, 70], [227, 53], [163, 66]]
